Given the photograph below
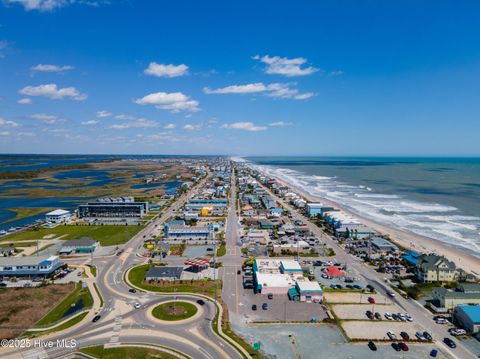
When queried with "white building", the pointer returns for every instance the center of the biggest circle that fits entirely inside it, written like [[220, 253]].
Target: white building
[[58, 216]]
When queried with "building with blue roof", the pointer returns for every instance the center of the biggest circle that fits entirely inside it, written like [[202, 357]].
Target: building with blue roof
[[42, 266], [468, 317]]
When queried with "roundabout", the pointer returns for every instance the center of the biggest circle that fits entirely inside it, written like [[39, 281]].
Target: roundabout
[[175, 311]]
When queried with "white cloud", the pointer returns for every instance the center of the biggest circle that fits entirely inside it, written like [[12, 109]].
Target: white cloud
[[245, 126], [4, 133], [89, 122], [285, 66], [190, 127], [49, 119], [51, 68], [50, 5], [162, 70], [26, 134], [103, 114], [238, 89], [278, 90], [136, 123], [124, 117], [170, 126], [335, 73], [174, 102], [8, 123], [53, 92], [25, 101], [280, 124]]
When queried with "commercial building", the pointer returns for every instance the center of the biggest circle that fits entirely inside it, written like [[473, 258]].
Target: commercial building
[[82, 245], [464, 294], [306, 291], [434, 268], [58, 216], [314, 209], [294, 247], [122, 207], [380, 244], [178, 230], [276, 276], [164, 273], [29, 266], [468, 317]]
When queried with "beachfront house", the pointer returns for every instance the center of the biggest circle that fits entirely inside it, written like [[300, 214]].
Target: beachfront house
[[434, 268], [58, 216]]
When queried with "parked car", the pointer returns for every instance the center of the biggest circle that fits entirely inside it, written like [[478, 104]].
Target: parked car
[[378, 316], [371, 300], [3, 285], [388, 316], [420, 336], [434, 353], [427, 336], [270, 296], [96, 318], [403, 346], [372, 346], [369, 314], [265, 306], [391, 335], [454, 331], [396, 347], [404, 335], [449, 342], [201, 301]]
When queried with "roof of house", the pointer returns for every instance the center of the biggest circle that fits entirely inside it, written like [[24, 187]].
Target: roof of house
[[165, 272], [470, 287], [432, 261], [290, 265]]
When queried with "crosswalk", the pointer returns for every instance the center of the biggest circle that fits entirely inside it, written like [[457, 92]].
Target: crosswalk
[[116, 330]]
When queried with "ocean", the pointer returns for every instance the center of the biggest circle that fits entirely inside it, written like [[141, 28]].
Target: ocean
[[437, 198]]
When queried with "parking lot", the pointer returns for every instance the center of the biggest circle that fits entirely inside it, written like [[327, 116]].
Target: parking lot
[[357, 311], [353, 297], [373, 330]]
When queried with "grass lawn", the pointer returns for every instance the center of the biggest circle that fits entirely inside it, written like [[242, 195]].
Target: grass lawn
[[126, 353], [18, 244], [177, 249], [21, 308], [66, 325], [222, 250], [79, 294], [174, 311], [93, 269], [206, 287], [106, 235]]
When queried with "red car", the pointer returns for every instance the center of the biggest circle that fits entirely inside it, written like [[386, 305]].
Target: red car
[[371, 300], [403, 346]]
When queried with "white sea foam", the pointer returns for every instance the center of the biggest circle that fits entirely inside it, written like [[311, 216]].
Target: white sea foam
[[434, 220]]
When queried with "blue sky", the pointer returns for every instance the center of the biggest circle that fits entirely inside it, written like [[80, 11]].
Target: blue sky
[[245, 78]]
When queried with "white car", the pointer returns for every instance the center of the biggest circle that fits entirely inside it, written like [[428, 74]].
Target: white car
[[392, 335], [388, 316], [455, 332], [137, 305]]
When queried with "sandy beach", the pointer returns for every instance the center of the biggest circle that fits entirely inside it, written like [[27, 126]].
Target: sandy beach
[[463, 260]]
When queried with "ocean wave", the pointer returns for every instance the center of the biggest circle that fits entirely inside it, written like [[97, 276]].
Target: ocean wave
[[434, 220]]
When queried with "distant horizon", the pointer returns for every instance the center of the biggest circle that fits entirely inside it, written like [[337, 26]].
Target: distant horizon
[[244, 156]]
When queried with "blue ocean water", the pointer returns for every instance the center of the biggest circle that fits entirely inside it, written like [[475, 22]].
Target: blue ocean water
[[434, 197]]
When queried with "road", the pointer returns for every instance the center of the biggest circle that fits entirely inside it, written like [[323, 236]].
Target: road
[[121, 323], [421, 315]]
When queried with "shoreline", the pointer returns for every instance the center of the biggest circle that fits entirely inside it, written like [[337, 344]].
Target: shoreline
[[469, 263]]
